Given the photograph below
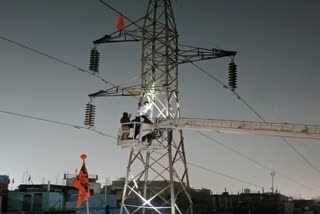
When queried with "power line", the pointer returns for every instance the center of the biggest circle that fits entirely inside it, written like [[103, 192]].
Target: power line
[[225, 175], [119, 13], [301, 155], [235, 151], [257, 114], [111, 136], [254, 161], [232, 91], [56, 59], [236, 94], [107, 82], [216, 79], [56, 122]]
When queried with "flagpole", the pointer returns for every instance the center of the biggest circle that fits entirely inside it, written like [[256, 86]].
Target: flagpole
[[82, 184], [87, 204]]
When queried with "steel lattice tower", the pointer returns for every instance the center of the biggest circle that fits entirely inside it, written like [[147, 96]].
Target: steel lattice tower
[[159, 85], [157, 178]]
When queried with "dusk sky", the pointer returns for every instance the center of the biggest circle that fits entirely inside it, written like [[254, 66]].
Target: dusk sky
[[278, 51]]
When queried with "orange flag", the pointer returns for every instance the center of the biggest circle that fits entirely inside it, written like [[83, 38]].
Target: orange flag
[[82, 183], [120, 22]]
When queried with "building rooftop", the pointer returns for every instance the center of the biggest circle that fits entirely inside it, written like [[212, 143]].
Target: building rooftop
[[43, 188]]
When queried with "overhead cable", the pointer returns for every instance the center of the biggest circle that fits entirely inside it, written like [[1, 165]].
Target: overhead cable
[[56, 122], [224, 175], [56, 59], [110, 136], [257, 114], [255, 162]]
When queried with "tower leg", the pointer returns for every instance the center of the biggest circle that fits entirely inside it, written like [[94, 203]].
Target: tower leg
[[157, 178]]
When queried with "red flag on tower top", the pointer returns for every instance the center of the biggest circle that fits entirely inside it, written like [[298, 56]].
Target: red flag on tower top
[[120, 22], [82, 183]]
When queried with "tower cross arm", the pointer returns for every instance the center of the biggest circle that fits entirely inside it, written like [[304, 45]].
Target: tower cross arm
[[188, 54], [117, 91], [243, 127], [129, 33], [116, 38]]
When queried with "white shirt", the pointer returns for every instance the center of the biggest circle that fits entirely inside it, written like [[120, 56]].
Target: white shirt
[[143, 110]]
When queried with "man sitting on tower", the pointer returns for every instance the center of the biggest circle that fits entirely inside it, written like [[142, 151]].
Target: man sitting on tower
[[125, 119]]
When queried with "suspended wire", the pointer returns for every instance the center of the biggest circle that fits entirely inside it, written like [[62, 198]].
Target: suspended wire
[[224, 175], [67, 63], [227, 87], [220, 173], [254, 161], [257, 114], [113, 137], [235, 93], [235, 151], [210, 75], [107, 82], [56, 59], [119, 13], [57, 122], [301, 155], [129, 80]]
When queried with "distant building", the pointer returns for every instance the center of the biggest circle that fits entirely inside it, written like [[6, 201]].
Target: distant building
[[201, 199], [223, 202], [4, 183], [98, 204], [303, 206], [254, 203], [94, 186], [154, 186], [4, 187], [246, 191], [41, 197]]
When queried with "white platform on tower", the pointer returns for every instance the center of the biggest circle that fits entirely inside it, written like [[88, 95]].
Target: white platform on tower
[[243, 127], [222, 126]]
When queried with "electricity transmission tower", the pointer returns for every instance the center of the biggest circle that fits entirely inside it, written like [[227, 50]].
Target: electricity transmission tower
[[157, 178]]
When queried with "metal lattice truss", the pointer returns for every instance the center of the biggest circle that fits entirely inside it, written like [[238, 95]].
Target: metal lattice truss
[[241, 127], [157, 176], [165, 163]]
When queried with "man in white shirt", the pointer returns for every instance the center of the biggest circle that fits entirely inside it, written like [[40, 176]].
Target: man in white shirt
[[143, 112]]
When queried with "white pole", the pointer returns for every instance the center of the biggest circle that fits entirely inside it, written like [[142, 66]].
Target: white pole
[[272, 181], [105, 194], [87, 203], [106, 191]]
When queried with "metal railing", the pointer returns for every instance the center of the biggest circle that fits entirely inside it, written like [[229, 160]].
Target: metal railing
[[249, 127], [131, 133]]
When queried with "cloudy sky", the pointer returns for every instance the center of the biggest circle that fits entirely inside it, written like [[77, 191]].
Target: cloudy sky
[[277, 44]]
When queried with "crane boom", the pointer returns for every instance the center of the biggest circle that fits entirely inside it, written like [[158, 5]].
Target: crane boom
[[242, 127]]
